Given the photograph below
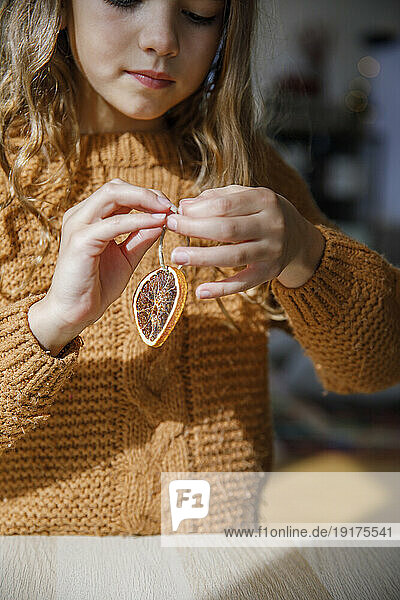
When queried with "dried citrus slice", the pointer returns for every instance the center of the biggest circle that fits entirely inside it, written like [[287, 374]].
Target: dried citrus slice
[[158, 303], [159, 298]]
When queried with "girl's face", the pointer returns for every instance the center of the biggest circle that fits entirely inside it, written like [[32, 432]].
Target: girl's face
[[110, 37]]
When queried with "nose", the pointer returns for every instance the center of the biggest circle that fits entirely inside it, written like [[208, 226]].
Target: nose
[[159, 36]]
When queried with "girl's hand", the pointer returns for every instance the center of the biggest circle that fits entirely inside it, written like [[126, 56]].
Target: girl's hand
[[92, 270], [269, 235]]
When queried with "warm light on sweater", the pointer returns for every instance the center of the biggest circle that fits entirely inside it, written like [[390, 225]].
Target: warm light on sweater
[[84, 436]]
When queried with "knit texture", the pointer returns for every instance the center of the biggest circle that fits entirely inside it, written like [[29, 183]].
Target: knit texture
[[84, 436]]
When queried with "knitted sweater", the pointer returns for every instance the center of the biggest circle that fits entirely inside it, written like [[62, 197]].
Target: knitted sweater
[[85, 435]]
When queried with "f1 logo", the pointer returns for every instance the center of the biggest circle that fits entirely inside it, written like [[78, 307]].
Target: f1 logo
[[188, 499]]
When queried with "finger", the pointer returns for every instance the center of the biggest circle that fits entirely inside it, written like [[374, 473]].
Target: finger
[[103, 231], [159, 193], [137, 243], [127, 209], [222, 256], [117, 195], [244, 201], [223, 229], [211, 193], [172, 207], [250, 277]]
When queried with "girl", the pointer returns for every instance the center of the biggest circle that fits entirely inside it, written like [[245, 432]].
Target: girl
[[90, 415]]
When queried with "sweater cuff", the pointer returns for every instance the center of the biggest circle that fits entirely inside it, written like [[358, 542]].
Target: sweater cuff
[[341, 285], [25, 367]]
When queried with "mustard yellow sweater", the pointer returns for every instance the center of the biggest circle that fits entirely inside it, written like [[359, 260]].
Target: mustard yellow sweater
[[84, 436]]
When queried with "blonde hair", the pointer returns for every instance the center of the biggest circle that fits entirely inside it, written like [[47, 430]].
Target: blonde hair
[[221, 137]]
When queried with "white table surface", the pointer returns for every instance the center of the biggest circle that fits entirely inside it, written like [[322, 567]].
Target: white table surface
[[82, 567]]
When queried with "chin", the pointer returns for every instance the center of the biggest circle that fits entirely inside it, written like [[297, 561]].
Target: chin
[[142, 115]]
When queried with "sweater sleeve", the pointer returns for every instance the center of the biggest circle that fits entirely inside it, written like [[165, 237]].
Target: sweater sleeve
[[29, 377], [347, 315]]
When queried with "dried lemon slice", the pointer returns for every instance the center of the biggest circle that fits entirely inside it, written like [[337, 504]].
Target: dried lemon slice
[[159, 300]]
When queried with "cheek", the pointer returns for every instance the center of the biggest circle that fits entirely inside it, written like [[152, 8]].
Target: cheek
[[197, 55], [99, 40]]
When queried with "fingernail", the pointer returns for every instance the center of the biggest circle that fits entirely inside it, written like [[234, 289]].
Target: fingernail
[[204, 294], [180, 256], [172, 223], [164, 201], [184, 203], [158, 216]]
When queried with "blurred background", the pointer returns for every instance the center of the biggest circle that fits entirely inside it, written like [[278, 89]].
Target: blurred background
[[329, 73]]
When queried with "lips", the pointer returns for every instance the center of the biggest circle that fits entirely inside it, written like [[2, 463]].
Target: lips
[[149, 82], [158, 75]]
